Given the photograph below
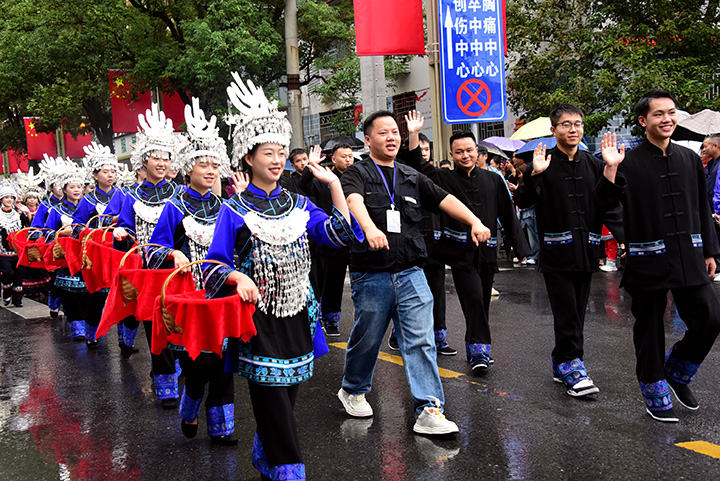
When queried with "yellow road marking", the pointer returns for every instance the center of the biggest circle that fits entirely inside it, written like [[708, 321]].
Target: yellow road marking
[[702, 447]]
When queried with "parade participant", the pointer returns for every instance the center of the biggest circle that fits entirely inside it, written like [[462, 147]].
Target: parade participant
[[473, 267], [73, 291], [143, 204], [11, 274], [102, 164], [52, 177], [561, 186], [387, 282], [185, 229], [671, 244], [334, 261], [268, 228], [30, 192]]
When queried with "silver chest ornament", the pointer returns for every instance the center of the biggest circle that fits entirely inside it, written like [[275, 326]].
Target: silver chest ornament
[[281, 261], [199, 239], [10, 221], [146, 217]]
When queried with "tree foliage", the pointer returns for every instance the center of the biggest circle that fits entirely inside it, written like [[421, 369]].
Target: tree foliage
[[603, 55], [55, 55]]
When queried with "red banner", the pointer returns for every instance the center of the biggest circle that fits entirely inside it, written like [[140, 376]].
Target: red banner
[[124, 110], [74, 147], [17, 161], [389, 27], [38, 143], [174, 109]]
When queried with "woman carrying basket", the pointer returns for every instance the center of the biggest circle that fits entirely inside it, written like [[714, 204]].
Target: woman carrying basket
[[268, 228], [73, 291], [103, 165], [186, 228], [11, 274]]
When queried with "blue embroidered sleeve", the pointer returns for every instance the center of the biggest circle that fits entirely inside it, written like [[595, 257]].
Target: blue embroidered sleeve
[[222, 249], [40, 216], [127, 214], [164, 235], [332, 229], [84, 211], [116, 202], [53, 223]]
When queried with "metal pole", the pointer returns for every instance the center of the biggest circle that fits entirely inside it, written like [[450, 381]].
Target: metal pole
[[292, 57]]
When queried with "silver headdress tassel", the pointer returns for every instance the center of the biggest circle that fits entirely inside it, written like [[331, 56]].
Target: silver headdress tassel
[[28, 184], [97, 157], [156, 133], [259, 120], [205, 140]]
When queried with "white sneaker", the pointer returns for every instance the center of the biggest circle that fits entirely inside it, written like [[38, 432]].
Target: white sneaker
[[610, 266], [355, 406], [716, 278], [432, 421], [583, 388], [494, 292]]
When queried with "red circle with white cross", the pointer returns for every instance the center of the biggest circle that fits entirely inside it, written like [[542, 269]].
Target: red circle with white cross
[[473, 103]]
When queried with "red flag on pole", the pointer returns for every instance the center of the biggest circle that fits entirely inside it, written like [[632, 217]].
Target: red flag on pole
[[17, 161], [389, 27], [174, 109], [124, 110], [74, 147], [38, 143]]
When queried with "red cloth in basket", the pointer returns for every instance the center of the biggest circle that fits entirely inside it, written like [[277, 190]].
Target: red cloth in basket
[[23, 259], [205, 322], [73, 253]]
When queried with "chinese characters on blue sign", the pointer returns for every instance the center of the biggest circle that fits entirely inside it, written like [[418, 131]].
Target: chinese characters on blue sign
[[471, 54]]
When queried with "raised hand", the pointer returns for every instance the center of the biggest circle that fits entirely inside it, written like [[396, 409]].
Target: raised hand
[[323, 174], [540, 162], [415, 121], [611, 155], [314, 155], [240, 181]]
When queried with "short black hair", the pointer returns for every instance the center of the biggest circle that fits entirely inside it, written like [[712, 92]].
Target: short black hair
[[643, 106], [294, 153], [462, 134], [445, 162], [368, 123], [423, 138], [562, 109], [341, 145]]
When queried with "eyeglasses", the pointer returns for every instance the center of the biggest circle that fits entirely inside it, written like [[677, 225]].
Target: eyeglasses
[[567, 124]]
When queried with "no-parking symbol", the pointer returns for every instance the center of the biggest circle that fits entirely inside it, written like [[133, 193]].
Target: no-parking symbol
[[474, 97]]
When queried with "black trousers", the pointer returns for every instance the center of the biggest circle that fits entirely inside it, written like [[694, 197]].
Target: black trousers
[[333, 282], [568, 293], [74, 305], [95, 306], [435, 275], [697, 306], [163, 363], [209, 368], [273, 407], [474, 289], [11, 275]]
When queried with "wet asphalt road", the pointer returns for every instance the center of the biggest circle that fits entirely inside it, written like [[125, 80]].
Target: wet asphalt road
[[70, 414]]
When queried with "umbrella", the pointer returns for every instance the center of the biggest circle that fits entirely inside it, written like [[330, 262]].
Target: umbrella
[[493, 149], [353, 142], [505, 143], [630, 143], [698, 126], [549, 142], [539, 127]]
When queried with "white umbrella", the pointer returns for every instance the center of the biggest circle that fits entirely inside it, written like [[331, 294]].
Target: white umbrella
[[705, 122]]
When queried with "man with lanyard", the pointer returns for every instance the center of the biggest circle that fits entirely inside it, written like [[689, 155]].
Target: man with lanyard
[[387, 282], [139, 214], [562, 187], [671, 245]]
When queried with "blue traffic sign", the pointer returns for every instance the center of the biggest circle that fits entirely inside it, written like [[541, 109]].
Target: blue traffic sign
[[472, 59]]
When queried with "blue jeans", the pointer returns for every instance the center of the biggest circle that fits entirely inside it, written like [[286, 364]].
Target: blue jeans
[[405, 298], [528, 216]]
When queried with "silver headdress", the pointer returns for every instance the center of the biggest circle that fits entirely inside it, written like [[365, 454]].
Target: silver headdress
[[125, 177], [204, 140], [7, 187], [29, 184], [60, 172], [98, 156], [156, 134], [259, 120]]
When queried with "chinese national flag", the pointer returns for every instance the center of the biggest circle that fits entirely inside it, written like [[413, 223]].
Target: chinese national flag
[[17, 161], [38, 143], [174, 109], [124, 110], [389, 27], [74, 147]]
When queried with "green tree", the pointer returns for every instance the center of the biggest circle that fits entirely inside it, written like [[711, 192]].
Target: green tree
[[603, 55]]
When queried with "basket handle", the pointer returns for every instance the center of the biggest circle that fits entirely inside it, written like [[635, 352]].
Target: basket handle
[[85, 239], [96, 217], [111, 227], [134, 248], [24, 229], [176, 271], [69, 225]]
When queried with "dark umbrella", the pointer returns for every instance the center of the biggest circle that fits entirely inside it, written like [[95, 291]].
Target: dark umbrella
[[526, 151], [353, 142]]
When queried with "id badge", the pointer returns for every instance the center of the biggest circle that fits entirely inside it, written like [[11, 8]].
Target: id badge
[[393, 221]]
